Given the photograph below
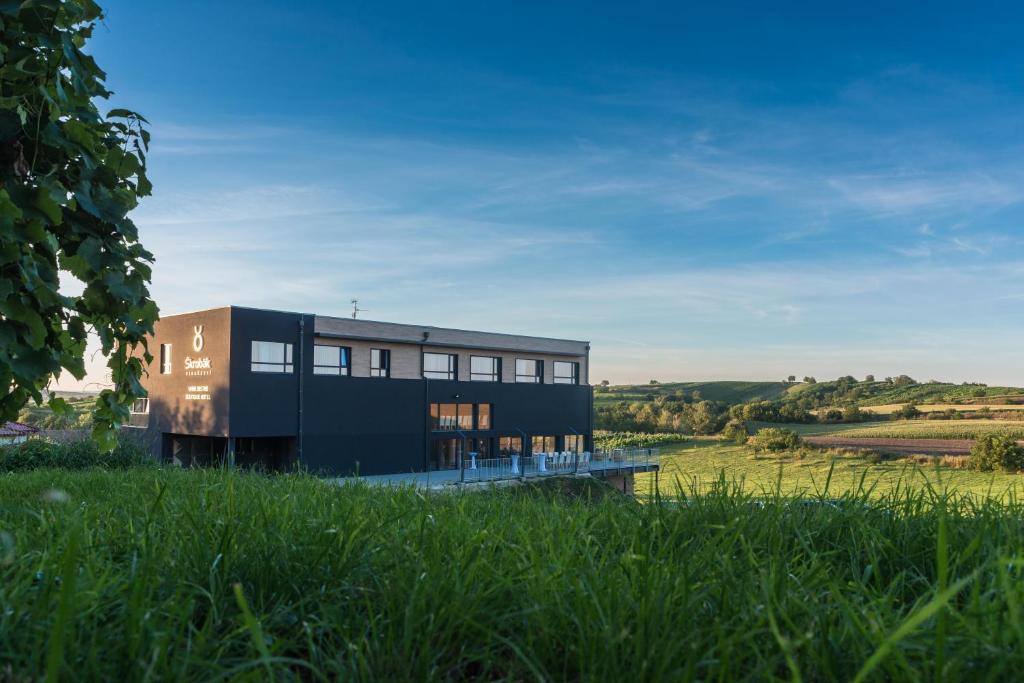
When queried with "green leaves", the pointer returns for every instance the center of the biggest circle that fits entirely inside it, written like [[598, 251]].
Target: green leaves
[[52, 139]]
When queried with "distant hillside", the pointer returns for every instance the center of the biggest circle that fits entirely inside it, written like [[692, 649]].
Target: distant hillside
[[846, 390], [727, 392], [843, 391]]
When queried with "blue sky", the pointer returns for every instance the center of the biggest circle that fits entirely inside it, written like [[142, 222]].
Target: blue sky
[[728, 191]]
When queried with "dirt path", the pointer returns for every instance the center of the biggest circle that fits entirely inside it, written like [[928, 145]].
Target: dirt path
[[908, 446]]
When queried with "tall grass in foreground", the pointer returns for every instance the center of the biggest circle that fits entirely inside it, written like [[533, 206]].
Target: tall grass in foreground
[[200, 575]]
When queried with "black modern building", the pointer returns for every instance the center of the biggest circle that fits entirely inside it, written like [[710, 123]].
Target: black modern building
[[340, 396]]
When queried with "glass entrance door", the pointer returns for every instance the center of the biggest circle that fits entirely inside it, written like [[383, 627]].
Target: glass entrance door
[[445, 454]]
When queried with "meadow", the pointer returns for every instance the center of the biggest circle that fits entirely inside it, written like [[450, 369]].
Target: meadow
[[704, 464], [163, 574], [910, 429]]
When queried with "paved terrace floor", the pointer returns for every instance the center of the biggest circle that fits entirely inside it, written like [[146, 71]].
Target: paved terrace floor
[[448, 478]]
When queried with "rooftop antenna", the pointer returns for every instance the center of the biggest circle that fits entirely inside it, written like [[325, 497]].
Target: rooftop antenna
[[355, 308]]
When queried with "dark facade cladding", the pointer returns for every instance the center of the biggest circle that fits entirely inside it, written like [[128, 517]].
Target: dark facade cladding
[[213, 397]]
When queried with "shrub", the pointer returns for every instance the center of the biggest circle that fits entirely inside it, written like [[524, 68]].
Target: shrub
[[775, 439], [71, 455], [833, 415], [908, 412], [997, 451], [736, 431], [606, 440]]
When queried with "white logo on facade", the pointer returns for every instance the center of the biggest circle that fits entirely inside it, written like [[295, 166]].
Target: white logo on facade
[[197, 341]]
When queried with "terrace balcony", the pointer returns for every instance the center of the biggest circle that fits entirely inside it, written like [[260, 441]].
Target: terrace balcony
[[472, 470]]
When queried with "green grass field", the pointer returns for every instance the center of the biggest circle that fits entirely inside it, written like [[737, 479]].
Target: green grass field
[[909, 429], [891, 408], [158, 574], [701, 464]]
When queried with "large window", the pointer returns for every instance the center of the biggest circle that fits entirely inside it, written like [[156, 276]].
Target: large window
[[484, 369], [439, 365], [575, 443], [165, 359], [484, 417], [448, 417], [272, 357], [331, 360], [509, 446], [529, 371], [566, 372], [380, 363], [543, 444]]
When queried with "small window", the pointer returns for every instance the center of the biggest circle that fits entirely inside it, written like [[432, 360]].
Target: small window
[[165, 359], [140, 406], [529, 371], [566, 372], [380, 363], [272, 357], [484, 369], [484, 413], [439, 365], [331, 360]]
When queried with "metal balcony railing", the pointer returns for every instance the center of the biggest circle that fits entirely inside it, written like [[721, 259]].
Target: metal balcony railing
[[475, 469]]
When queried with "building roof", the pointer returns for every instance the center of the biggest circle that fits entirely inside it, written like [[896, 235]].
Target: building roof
[[17, 429], [427, 335]]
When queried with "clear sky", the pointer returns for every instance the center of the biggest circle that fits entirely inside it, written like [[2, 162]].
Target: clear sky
[[720, 191]]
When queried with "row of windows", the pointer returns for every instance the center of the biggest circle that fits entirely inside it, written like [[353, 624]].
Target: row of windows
[[336, 360], [278, 357], [513, 445], [448, 417]]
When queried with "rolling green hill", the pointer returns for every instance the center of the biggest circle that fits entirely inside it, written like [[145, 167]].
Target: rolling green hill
[[728, 392]]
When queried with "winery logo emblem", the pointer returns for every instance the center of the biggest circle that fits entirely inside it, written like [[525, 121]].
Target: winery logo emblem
[[197, 341]]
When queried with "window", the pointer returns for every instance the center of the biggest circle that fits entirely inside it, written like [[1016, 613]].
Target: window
[[331, 360], [575, 443], [140, 406], [484, 369], [443, 417], [509, 446], [465, 416], [165, 359], [448, 417], [543, 444], [483, 416], [439, 365], [566, 372], [272, 357], [380, 363], [529, 371]]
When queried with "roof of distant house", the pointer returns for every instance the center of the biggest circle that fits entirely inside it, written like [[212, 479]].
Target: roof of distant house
[[17, 429]]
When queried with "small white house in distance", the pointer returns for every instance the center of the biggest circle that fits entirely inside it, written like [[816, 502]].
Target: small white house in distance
[[15, 432]]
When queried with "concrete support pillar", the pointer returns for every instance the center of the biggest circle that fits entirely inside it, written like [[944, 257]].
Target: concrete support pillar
[[622, 482]]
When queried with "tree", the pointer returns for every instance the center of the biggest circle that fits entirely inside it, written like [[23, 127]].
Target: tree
[[869, 378], [810, 380], [69, 176], [791, 378], [702, 417], [654, 381], [736, 431], [605, 383], [997, 451]]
